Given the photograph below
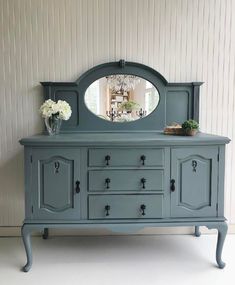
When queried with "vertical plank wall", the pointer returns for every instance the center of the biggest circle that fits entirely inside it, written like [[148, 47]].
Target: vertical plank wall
[[46, 40]]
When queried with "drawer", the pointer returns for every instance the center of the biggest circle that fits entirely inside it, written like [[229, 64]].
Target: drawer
[[129, 180], [125, 206], [126, 157]]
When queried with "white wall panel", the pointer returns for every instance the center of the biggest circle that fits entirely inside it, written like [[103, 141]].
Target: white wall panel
[[49, 40]]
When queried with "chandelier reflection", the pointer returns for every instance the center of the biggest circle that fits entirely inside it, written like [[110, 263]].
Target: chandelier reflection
[[113, 114], [120, 83], [141, 113]]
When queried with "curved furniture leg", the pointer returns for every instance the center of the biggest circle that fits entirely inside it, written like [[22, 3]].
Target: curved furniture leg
[[45, 233], [26, 236], [197, 232], [222, 231]]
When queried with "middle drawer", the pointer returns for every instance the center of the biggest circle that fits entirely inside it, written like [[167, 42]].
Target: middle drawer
[[126, 180]]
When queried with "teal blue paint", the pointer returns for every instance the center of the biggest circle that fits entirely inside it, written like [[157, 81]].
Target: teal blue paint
[[53, 191], [196, 186], [126, 157], [104, 140], [66, 175], [126, 206], [169, 108], [126, 180], [61, 205]]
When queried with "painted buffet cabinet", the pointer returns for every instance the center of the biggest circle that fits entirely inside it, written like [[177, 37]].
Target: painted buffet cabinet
[[112, 167]]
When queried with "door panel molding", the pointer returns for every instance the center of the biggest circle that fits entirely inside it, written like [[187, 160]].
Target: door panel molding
[[55, 171], [56, 174], [195, 167], [195, 171]]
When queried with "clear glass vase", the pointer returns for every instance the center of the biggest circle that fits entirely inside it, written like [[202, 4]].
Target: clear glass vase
[[53, 125]]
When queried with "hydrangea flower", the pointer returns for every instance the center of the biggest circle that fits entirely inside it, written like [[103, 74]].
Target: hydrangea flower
[[61, 109]]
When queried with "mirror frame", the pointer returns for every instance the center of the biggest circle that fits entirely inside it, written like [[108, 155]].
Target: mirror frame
[[153, 121], [122, 122], [177, 101]]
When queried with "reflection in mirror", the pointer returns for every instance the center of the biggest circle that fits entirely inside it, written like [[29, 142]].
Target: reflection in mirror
[[121, 98]]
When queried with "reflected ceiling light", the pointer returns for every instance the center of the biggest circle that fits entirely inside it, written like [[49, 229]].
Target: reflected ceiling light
[[122, 83]]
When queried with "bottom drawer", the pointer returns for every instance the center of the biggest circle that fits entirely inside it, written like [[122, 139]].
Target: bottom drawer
[[125, 206]]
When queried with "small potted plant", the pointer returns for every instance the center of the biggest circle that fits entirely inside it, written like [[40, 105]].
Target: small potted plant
[[129, 106], [53, 114], [190, 127]]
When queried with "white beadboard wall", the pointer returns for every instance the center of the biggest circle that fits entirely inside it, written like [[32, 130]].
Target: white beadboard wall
[[53, 40]]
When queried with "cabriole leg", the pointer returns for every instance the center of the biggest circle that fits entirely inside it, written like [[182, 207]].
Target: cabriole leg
[[222, 232], [45, 233], [197, 232], [26, 236]]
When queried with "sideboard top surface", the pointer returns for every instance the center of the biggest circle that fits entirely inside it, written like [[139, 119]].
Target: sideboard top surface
[[151, 138]]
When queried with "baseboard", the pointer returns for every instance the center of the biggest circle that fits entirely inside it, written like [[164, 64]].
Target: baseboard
[[15, 231]]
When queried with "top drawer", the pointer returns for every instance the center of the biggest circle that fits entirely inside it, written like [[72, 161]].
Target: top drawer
[[138, 157]]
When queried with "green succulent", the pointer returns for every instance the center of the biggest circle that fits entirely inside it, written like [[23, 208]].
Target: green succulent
[[190, 125]]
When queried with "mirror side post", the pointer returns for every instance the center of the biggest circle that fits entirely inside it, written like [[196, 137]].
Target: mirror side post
[[196, 100]]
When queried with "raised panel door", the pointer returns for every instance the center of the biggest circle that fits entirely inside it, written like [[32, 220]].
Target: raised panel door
[[56, 183], [194, 173]]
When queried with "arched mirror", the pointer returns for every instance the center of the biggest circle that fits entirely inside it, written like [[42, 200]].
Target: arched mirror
[[121, 98]]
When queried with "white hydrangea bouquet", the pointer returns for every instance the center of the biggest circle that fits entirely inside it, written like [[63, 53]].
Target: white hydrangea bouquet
[[54, 113]]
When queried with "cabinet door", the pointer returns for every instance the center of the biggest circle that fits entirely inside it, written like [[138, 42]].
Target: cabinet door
[[54, 184], [195, 172]]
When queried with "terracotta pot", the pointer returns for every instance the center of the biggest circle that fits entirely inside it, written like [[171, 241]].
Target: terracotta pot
[[189, 132]]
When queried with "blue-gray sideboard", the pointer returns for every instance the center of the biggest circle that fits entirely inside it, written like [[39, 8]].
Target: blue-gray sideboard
[[99, 173], [124, 182]]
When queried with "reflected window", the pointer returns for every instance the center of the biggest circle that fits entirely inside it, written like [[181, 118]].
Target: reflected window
[[93, 97], [151, 98]]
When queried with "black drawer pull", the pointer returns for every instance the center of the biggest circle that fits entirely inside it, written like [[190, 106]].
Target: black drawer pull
[[143, 208], [77, 189], [107, 182], [172, 185], [143, 181], [107, 159], [143, 158], [107, 209]]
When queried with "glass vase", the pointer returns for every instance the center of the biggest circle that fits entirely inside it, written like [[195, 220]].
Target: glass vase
[[53, 125]]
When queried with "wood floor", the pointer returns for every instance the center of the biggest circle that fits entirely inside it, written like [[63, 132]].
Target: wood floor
[[121, 260]]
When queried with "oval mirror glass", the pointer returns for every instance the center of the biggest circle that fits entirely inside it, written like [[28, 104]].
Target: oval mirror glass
[[121, 98]]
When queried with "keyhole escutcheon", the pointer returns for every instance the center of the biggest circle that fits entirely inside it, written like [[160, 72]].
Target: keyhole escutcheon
[[194, 165], [57, 166]]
